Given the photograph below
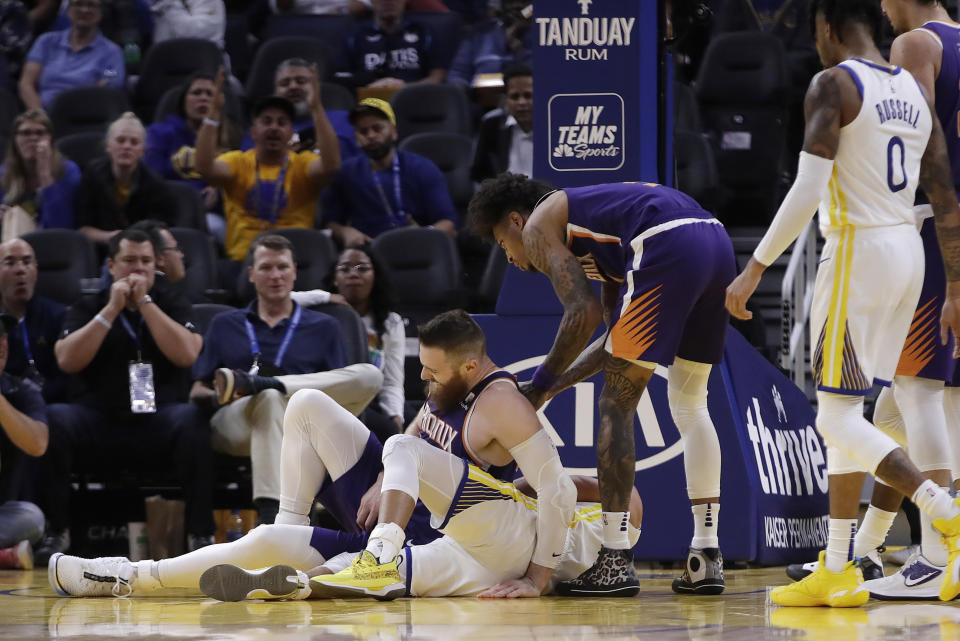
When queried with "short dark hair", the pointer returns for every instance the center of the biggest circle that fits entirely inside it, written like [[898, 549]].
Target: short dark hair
[[515, 70], [185, 89], [275, 242], [498, 197], [134, 236], [153, 227], [839, 14], [292, 62], [456, 333]]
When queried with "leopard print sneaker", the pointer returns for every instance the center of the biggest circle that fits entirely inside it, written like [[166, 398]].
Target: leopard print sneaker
[[613, 575]]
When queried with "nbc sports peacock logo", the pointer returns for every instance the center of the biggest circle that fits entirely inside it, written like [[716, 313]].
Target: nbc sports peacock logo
[[656, 438], [586, 131]]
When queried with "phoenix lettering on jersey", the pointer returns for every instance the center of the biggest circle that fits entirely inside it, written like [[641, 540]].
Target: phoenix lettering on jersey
[[583, 32], [896, 109], [438, 431], [406, 58]]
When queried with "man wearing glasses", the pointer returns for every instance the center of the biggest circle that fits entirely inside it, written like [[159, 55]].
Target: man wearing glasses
[[76, 57]]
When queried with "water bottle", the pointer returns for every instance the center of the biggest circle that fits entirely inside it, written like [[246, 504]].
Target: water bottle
[[234, 526]]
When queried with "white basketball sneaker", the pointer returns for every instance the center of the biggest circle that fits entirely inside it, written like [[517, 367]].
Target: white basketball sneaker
[[917, 580], [75, 576]]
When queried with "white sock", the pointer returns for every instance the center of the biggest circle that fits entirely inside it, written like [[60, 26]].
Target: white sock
[[147, 576], [385, 542], [288, 517], [615, 535], [930, 544], [705, 521], [934, 501], [873, 531], [840, 543]]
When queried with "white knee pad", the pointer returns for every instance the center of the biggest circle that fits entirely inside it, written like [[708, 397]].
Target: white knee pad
[[401, 464], [921, 403], [888, 418], [857, 443], [687, 397]]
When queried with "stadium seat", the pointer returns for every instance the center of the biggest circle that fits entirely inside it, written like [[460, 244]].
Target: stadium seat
[[453, 154], [336, 97], [82, 147], [86, 109], [331, 30], [686, 111], [447, 27], [9, 108], [64, 256], [200, 259], [485, 298], [190, 210], [203, 313], [355, 342], [431, 108], [236, 45], [272, 52], [696, 167], [167, 64], [742, 87], [314, 252], [424, 269]]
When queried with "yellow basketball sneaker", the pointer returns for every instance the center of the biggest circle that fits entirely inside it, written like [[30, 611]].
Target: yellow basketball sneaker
[[950, 529], [823, 587], [364, 577]]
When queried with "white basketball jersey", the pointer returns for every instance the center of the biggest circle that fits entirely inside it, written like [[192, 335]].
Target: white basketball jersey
[[877, 166]]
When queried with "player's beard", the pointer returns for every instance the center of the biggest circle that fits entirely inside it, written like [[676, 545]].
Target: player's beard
[[447, 396]]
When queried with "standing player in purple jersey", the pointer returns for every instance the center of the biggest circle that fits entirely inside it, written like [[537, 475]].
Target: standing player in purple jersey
[[664, 264]]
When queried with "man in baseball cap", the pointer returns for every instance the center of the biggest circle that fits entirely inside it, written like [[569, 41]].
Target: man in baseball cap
[[386, 189]]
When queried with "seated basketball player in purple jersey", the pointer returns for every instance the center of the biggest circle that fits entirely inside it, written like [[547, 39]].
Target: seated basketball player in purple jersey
[[664, 263], [327, 448]]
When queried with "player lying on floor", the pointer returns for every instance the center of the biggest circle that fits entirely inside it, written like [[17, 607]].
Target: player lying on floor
[[474, 410]]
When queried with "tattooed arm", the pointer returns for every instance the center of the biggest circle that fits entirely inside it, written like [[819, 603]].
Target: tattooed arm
[[832, 100], [937, 182], [544, 243]]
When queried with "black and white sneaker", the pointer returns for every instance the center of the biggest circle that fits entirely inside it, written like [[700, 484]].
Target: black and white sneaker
[[871, 566], [613, 575], [703, 573]]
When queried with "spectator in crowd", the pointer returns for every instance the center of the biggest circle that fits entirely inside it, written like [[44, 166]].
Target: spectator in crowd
[[76, 57], [292, 80], [256, 357], [36, 177], [505, 140], [386, 188], [23, 432], [495, 43], [120, 189], [39, 320], [363, 283], [269, 186], [170, 148], [169, 265], [130, 347], [205, 19], [355, 8], [15, 33], [390, 51]]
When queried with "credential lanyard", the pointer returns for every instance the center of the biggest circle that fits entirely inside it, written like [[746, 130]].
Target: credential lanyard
[[135, 335], [26, 343], [272, 215], [284, 344], [399, 218]]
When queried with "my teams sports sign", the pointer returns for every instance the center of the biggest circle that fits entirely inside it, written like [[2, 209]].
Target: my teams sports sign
[[774, 479], [595, 99]]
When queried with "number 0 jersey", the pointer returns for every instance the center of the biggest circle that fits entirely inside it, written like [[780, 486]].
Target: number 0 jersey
[[877, 166]]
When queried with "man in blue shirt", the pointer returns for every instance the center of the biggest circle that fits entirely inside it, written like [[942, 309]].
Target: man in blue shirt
[[254, 358], [39, 321], [384, 189], [291, 80]]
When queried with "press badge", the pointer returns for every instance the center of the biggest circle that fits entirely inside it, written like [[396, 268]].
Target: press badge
[[143, 396]]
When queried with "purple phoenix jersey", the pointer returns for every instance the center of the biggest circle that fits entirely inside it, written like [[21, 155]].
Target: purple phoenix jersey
[[672, 260], [448, 430], [922, 354]]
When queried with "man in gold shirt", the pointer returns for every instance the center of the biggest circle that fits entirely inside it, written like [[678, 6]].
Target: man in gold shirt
[[269, 186]]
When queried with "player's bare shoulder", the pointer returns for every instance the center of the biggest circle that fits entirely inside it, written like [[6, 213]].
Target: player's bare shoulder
[[504, 412]]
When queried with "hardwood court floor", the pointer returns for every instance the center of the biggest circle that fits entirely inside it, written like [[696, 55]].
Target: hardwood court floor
[[30, 610]]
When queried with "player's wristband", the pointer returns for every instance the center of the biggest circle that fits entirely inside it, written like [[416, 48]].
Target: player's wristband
[[211, 121], [543, 379], [103, 321]]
